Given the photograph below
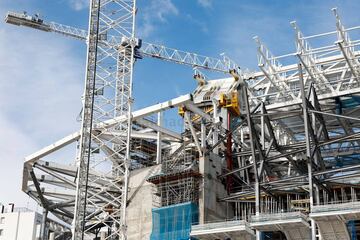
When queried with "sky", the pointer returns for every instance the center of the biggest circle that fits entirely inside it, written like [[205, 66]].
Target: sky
[[42, 74]]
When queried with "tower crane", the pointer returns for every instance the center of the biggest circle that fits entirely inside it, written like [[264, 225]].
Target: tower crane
[[143, 49], [112, 49]]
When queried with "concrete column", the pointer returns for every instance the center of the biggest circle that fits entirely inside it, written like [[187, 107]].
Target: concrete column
[[52, 236]]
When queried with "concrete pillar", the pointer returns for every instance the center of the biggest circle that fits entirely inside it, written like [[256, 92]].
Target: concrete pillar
[[209, 207], [52, 236]]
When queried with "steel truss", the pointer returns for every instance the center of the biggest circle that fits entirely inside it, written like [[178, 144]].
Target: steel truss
[[143, 49], [299, 129], [53, 185], [108, 93]]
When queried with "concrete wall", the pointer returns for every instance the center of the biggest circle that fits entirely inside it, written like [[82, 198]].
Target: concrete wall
[[209, 207], [139, 219]]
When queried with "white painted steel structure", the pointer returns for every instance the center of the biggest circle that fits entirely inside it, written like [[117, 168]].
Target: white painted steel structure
[[144, 49], [290, 119]]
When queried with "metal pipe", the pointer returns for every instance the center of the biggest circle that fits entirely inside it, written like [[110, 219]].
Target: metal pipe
[[158, 141], [253, 154], [43, 224], [336, 115], [193, 133], [308, 147]]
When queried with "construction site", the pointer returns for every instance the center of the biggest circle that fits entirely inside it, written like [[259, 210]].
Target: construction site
[[268, 153]]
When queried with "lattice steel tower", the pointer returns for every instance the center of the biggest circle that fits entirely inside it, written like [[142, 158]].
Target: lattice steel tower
[[103, 162]]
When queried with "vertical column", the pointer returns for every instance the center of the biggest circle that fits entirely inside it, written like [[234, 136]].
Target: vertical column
[[313, 121], [158, 139], [203, 135], [108, 93], [262, 141], [253, 156], [86, 128], [215, 130], [52, 236], [43, 224], [308, 148], [229, 159], [128, 64]]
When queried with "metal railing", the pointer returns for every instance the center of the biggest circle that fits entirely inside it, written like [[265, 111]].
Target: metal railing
[[218, 224], [337, 206], [277, 216]]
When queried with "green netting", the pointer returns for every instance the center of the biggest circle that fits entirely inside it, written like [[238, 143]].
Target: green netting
[[174, 222]]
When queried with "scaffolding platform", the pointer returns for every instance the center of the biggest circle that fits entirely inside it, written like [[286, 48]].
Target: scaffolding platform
[[332, 219], [294, 225], [235, 230], [174, 176]]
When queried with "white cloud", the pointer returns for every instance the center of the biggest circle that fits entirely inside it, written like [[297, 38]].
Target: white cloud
[[40, 88], [155, 13], [79, 4], [198, 23], [162, 8], [14, 143], [205, 3]]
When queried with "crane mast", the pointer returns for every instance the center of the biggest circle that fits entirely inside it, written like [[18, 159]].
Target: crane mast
[[108, 89]]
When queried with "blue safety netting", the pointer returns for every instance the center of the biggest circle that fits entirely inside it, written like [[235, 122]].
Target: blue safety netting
[[352, 229], [346, 103], [174, 222]]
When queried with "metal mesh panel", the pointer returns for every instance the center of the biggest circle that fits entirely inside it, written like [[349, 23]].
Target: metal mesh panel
[[174, 222]]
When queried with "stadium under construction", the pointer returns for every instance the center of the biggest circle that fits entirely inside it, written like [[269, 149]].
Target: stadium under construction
[[267, 154]]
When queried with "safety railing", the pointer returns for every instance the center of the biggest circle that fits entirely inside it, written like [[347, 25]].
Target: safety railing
[[218, 224], [336, 206], [277, 216]]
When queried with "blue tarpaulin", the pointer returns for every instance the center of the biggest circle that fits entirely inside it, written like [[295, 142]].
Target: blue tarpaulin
[[352, 230], [174, 222]]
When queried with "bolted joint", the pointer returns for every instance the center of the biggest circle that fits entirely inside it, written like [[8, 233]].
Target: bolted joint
[[182, 110], [235, 74], [200, 79]]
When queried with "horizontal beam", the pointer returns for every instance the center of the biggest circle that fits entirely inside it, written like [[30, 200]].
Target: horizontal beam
[[198, 111], [53, 147], [335, 115], [110, 136], [158, 128], [148, 111], [110, 123]]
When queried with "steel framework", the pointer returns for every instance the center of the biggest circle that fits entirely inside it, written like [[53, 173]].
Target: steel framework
[[108, 93], [274, 142]]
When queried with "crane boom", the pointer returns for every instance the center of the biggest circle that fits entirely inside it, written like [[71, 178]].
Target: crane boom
[[145, 49]]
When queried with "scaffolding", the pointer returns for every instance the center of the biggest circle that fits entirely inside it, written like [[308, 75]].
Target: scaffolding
[[179, 180]]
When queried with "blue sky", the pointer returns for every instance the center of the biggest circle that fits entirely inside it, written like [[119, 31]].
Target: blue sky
[[41, 74]]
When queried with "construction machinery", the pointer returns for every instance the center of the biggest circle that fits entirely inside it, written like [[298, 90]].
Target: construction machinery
[[271, 154]]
